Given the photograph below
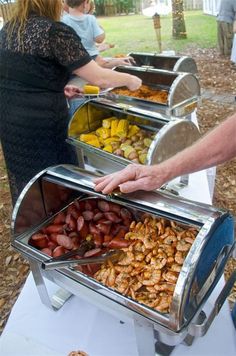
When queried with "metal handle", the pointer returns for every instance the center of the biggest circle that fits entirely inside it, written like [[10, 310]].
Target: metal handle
[[48, 265], [201, 329], [112, 255]]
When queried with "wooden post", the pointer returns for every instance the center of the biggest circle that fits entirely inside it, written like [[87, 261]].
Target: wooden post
[[157, 27]]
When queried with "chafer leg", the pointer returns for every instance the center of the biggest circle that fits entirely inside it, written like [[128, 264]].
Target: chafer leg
[[58, 299], [145, 341]]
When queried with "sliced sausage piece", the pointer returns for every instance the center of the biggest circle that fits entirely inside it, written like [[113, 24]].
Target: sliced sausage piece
[[60, 219], [125, 213], [39, 240], [112, 217], [80, 223], [93, 252], [103, 205], [93, 228], [115, 208], [57, 228], [58, 251], [118, 243], [65, 241], [47, 251], [98, 240], [83, 233], [99, 215], [71, 223], [90, 204], [52, 245], [88, 215], [104, 228]]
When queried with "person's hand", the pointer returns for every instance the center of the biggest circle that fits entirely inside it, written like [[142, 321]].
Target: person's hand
[[125, 61], [72, 91], [134, 83], [133, 177]]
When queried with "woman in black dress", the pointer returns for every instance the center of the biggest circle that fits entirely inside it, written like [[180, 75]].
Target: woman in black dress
[[37, 57]]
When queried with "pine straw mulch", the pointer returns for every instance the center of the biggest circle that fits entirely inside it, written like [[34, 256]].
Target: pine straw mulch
[[216, 75]]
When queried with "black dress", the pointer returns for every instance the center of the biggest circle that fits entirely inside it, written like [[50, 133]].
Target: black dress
[[33, 108]]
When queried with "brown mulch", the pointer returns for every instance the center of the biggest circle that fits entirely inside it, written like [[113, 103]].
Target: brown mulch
[[216, 75]]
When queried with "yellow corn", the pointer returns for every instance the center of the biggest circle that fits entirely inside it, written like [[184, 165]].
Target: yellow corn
[[87, 137], [122, 128], [114, 125], [133, 129], [107, 122], [103, 132], [95, 142], [91, 89], [108, 148], [109, 140]]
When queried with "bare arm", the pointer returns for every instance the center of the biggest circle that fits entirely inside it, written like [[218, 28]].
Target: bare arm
[[100, 38], [214, 148], [105, 78]]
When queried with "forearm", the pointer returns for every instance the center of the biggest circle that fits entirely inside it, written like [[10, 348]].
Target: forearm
[[102, 77], [214, 148]]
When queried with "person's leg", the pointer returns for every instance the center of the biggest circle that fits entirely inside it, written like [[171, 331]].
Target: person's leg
[[220, 37], [228, 38]]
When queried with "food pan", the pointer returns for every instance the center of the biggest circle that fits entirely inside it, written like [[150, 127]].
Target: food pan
[[59, 190]]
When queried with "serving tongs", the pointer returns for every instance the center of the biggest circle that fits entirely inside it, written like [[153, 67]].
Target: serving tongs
[[57, 262]]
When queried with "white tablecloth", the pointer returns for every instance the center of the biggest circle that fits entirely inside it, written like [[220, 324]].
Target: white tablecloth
[[35, 330]]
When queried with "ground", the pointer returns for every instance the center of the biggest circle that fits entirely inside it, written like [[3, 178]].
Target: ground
[[217, 79]]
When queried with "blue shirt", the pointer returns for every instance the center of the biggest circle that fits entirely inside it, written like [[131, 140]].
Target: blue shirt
[[227, 11], [87, 27]]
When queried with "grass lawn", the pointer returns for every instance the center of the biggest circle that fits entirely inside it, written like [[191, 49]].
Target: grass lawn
[[136, 32]]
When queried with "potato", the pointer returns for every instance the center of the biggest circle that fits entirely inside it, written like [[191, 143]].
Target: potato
[[119, 152], [132, 155]]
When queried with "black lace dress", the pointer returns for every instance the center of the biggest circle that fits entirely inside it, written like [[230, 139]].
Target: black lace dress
[[33, 109]]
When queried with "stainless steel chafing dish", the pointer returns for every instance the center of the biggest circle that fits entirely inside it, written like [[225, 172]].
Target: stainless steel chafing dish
[[54, 189], [183, 90], [163, 61], [170, 137]]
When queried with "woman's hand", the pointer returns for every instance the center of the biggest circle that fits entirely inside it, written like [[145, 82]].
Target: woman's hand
[[133, 177], [134, 83], [125, 61], [72, 91]]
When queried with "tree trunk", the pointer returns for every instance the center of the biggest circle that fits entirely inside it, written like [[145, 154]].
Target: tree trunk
[[178, 23]]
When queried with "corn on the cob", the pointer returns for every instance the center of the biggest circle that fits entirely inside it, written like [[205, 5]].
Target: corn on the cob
[[107, 122], [94, 142], [122, 128], [103, 132], [108, 148], [133, 129], [87, 137], [114, 125], [91, 89]]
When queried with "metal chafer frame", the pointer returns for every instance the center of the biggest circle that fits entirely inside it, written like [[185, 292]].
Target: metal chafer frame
[[163, 61], [89, 116], [183, 90], [186, 318]]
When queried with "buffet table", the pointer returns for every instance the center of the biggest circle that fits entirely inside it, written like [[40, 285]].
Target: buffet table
[[35, 330]]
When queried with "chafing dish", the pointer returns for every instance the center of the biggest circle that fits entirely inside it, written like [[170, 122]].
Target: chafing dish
[[52, 190], [169, 135], [164, 61], [183, 90]]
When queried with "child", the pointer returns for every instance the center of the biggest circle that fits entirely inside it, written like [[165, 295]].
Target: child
[[90, 32]]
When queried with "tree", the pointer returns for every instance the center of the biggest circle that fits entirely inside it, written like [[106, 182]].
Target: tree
[[178, 23]]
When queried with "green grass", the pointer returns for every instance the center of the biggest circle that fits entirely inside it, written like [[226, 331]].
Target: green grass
[[136, 33]]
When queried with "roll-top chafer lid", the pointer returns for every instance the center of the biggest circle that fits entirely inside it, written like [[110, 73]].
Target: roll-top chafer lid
[[156, 202], [164, 61]]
